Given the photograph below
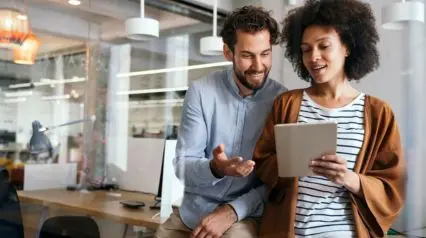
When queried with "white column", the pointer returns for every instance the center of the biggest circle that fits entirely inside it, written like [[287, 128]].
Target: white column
[[60, 113], [117, 109], [413, 128]]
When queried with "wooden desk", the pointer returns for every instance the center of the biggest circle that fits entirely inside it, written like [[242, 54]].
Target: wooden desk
[[97, 204]]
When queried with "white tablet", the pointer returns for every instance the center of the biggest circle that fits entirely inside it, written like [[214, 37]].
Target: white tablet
[[298, 143]]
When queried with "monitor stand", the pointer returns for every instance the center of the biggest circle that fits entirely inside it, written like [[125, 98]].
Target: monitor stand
[[157, 204]]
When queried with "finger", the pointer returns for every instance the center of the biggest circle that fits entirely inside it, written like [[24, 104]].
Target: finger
[[197, 231], [329, 157], [244, 171], [328, 165], [327, 172], [245, 167], [219, 150], [334, 158], [202, 234]]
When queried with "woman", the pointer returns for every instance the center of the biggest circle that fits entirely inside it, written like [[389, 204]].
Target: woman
[[359, 191]]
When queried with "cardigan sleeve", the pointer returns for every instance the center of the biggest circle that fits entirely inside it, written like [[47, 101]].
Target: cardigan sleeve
[[383, 179], [264, 153]]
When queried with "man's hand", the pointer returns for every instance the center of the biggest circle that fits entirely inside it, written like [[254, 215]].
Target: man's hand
[[222, 166], [216, 223]]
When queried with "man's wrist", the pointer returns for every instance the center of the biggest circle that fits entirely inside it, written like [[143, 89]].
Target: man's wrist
[[214, 170], [232, 213]]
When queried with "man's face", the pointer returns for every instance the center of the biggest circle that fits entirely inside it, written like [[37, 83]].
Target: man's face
[[252, 58]]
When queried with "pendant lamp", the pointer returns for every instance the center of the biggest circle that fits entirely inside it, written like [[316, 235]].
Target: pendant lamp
[[396, 16], [13, 28], [141, 28], [212, 45], [27, 52]]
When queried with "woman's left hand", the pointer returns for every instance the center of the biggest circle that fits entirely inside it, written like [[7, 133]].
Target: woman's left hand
[[336, 170]]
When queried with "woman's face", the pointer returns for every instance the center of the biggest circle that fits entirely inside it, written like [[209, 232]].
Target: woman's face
[[323, 54]]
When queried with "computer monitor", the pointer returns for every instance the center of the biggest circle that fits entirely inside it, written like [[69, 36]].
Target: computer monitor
[[157, 203], [174, 188], [7, 137]]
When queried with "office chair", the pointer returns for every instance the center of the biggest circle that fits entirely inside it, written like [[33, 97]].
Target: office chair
[[69, 227], [11, 225]]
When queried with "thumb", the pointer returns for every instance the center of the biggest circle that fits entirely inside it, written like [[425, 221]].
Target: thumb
[[218, 151]]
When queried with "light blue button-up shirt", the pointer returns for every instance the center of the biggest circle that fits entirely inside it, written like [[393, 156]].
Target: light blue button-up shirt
[[214, 113]]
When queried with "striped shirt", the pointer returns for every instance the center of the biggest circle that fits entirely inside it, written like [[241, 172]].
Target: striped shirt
[[323, 207]]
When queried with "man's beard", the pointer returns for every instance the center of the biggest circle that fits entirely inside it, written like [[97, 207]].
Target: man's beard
[[243, 80]]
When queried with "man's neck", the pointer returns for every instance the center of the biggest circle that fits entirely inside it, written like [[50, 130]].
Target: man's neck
[[242, 90]]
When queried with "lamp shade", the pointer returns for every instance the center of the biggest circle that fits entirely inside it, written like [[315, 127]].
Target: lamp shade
[[27, 52], [13, 28], [142, 29], [211, 45], [395, 16]]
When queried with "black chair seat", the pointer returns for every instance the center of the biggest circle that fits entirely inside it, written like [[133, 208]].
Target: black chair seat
[[11, 225], [70, 227]]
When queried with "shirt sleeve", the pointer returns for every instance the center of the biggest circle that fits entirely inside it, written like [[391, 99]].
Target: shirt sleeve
[[190, 164], [250, 204]]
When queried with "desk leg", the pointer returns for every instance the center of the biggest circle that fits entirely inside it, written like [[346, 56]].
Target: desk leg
[[43, 217], [143, 232], [126, 226]]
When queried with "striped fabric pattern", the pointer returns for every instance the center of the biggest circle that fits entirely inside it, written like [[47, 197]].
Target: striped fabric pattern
[[323, 207]]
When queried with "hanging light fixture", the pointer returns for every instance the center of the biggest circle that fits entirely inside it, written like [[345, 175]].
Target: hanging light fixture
[[212, 45], [395, 16], [27, 52], [14, 28], [141, 28]]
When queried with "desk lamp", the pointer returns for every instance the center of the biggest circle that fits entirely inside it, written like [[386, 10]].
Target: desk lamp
[[40, 144]]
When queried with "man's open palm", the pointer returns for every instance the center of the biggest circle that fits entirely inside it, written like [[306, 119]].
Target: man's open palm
[[235, 166]]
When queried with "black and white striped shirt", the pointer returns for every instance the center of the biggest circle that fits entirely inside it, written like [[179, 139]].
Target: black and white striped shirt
[[323, 207]]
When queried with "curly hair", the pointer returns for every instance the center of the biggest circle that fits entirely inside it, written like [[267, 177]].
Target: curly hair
[[354, 22], [248, 19]]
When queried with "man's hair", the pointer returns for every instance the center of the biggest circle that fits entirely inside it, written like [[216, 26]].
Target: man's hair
[[248, 19], [353, 20]]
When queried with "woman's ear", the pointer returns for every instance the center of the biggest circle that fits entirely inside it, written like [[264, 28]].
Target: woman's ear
[[227, 53]]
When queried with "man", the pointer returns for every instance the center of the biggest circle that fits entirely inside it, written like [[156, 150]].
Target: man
[[223, 116]]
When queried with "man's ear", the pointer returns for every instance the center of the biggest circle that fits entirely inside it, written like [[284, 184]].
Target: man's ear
[[227, 52]]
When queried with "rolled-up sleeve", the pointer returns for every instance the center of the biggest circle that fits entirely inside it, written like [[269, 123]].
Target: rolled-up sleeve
[[250, 204]]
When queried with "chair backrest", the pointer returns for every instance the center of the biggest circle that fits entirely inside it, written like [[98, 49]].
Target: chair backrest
[[70, 227], [11, 225]]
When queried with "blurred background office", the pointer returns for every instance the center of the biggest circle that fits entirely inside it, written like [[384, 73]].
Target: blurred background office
[[109, 92]]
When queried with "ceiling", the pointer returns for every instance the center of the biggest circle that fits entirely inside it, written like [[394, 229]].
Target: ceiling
[[49, 45], [63, 28], [55, 20]]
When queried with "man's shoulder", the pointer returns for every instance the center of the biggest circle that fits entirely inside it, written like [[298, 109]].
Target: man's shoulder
[[276, 86]]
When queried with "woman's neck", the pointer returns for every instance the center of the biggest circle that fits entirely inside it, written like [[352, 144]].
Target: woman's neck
[[333, 90]]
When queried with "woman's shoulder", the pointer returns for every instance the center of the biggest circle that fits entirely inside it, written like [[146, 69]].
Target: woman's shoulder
[[379, 111], [293, 94], [378, 106]]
